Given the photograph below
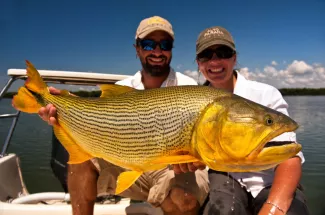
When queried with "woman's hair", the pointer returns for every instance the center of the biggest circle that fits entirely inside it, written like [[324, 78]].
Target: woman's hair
[[206, 83]]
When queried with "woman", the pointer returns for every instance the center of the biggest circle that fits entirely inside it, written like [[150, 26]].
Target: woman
[[274, 191]]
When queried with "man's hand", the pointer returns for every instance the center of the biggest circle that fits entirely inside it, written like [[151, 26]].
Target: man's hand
[[48, 113], [188, 167]]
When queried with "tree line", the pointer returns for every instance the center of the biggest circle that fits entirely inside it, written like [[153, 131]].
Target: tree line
[[303, 91]]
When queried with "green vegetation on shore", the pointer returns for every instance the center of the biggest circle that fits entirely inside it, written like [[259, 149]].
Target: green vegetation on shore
[[303, 91], [284, 91]]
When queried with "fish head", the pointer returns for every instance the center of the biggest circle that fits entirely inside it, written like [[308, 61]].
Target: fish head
[[234, 131]]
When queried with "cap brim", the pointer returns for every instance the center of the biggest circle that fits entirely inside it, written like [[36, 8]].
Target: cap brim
[[158, 28], [215, 42]]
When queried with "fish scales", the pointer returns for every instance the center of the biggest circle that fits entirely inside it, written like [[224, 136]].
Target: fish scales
[[136, 126]]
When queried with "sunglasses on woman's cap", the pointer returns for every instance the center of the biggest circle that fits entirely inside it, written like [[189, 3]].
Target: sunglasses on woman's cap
[[223, 52], [150, 45]]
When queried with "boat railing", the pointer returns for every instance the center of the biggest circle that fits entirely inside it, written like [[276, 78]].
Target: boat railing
[[15, 117]]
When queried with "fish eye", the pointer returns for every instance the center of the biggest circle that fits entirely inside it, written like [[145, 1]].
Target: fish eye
[[268, 120]]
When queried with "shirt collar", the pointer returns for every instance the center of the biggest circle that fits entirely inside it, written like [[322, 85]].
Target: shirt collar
[[240, 85], [170, 80]]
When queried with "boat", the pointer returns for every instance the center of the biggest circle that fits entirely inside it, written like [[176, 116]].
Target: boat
[[14, 195]]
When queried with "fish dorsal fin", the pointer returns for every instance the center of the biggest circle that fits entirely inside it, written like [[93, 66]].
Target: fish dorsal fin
[[64, 93], [114, 90]]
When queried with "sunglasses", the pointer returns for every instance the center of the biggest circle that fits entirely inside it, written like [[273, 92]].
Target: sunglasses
[[150, 45], [223, 52]]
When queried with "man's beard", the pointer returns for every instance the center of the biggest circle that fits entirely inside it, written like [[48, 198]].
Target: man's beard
[[156, 70]]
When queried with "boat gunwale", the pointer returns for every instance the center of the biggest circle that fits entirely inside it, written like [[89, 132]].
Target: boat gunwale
[[70, 77]]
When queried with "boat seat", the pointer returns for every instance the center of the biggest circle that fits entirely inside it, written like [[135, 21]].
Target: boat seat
[[11, 183]]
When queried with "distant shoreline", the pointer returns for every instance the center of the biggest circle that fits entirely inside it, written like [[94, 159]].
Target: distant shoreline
[[302, 91], [284, 92]]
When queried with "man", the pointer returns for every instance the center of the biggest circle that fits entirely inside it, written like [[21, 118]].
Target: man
[[174, 193]]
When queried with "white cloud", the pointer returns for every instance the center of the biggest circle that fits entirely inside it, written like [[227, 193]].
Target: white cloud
[[179, 66], [195, 75], [290, 81], [320, 72], [261, 75], [274, 63], [245, 73], [317, 64], [299, 67], [297, 74], [270, 71]]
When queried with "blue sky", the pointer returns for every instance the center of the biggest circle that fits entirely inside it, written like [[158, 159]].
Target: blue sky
[[281, 43]]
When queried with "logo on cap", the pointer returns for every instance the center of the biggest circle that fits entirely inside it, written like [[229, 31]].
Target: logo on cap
[[151, 24], [213, 31], [156, 20]]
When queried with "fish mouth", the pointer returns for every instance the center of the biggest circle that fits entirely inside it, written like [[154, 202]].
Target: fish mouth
[[266, 143], [277, 143]]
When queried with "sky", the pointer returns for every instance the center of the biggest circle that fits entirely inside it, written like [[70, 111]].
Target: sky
[[281, 43]]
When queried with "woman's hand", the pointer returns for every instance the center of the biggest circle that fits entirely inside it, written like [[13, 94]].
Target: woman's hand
[[188, 167]]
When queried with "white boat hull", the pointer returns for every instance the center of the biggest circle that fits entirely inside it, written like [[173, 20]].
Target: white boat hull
[[121, 208]]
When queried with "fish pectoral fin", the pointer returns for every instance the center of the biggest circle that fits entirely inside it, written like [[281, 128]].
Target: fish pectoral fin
[[174, 159], [113, 90], [76, 153], [125, 180]]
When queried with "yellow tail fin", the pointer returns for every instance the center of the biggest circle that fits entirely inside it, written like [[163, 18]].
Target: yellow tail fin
[[34, 82], [25, 101]]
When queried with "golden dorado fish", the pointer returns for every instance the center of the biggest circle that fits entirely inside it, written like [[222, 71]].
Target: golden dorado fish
[[145, 130]]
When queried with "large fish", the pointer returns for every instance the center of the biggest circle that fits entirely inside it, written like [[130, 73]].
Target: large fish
[[144, 130]]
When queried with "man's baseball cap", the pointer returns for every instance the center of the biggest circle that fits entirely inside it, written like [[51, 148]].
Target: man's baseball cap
[[214, 36], [151, 24]]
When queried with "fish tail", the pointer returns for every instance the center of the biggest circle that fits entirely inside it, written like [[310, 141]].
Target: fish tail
[[29, 98], [25, 101], [34, 81]]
